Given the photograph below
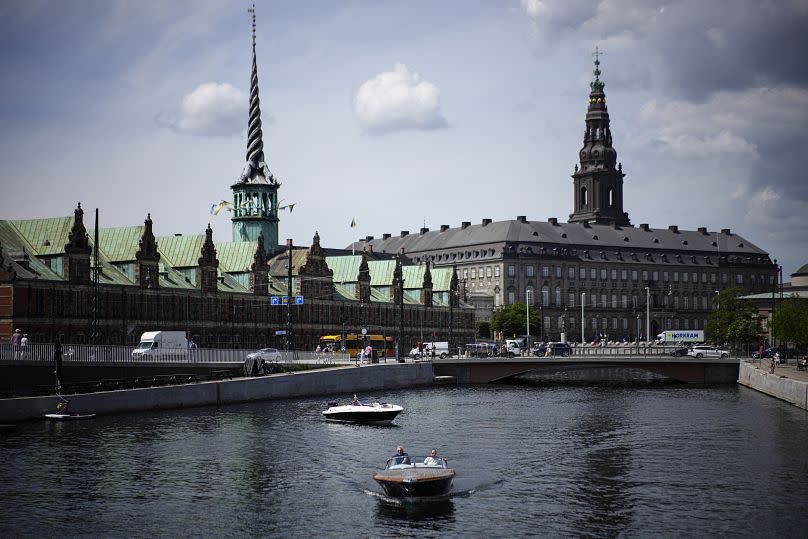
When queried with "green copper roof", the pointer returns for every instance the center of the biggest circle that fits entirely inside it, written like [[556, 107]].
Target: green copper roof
[[441, 279], [236, 256], [39, 232], [345, 291], [118, 244], [345, 268], [381, 272], [181, 251], [414, 276]]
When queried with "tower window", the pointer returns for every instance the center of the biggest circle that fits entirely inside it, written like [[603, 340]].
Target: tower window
[[583, 196], [610, 197]]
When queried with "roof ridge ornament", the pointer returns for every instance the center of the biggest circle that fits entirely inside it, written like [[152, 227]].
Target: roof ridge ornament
[[597, 84]]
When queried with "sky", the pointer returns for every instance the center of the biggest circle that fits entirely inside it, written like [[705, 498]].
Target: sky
[[400, 115]]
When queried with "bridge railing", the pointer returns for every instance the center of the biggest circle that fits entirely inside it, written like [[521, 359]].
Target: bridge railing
[[39, 353]]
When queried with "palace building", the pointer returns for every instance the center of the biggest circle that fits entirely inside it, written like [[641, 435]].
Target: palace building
[[597, 263], [61, 281]]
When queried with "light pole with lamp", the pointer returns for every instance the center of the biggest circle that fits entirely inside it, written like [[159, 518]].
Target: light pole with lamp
[[583, 325], [527, 316], [647, 314]]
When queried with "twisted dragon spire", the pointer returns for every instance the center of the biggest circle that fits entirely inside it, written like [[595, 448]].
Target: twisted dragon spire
[[256, 169]]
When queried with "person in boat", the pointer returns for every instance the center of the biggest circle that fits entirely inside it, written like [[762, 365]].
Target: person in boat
[[401, 457], [62, 405], [432, 459], [356, 402]]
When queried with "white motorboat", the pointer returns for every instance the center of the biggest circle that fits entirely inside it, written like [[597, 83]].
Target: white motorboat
[[358, 412]]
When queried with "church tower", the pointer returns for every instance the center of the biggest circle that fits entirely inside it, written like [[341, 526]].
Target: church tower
[[255, 194], [598, 185]]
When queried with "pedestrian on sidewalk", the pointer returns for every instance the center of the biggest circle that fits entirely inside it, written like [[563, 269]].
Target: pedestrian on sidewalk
[[24, 346], [16, 339]]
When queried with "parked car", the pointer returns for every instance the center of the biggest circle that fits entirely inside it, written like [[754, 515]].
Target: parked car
[[561, 349], [680, 351], [703, 350], [267, 354]]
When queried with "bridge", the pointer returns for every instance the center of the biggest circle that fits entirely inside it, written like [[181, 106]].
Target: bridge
[[591, 368]]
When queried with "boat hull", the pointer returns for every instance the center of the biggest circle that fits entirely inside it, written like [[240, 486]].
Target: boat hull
[[385, 416], [415, 484], [363, 413]]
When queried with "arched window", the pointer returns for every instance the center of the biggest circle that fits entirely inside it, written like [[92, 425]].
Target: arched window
[[583, 196], [558, 296], [545, 295], [530, 298], [610, 196]]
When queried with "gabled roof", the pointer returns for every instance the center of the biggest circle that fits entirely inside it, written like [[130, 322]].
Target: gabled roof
[[345, 268], [236, 256], [119, 244], [181, 251]]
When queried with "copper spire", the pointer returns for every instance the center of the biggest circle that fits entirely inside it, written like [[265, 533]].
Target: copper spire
[[256, 169]]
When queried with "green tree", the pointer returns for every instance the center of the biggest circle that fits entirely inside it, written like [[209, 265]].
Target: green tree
[[484, 330], [790, 322], [731, 319], [510, 320]]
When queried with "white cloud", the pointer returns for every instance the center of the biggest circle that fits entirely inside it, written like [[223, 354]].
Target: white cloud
[[211, 109], [397, 100]]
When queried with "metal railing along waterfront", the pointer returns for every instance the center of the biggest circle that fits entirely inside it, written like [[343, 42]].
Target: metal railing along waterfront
[[40, 353]]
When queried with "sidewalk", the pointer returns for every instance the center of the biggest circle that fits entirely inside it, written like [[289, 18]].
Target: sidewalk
[[787, 371]]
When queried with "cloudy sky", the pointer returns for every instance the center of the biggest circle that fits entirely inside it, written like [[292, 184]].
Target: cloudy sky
[[400, 114]]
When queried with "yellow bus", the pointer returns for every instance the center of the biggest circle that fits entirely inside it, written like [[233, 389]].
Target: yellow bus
[[353, 344]]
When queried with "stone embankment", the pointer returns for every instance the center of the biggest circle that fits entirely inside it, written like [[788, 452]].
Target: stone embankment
[[339, 380], [787, 383]]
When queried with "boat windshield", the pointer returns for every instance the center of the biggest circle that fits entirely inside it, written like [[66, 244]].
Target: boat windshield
[[416, 462]]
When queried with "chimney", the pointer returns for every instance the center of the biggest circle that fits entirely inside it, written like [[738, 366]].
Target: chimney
[[405, 233], [424, 231], [703, 230], [368, 238], [465, 225], [674, 229], [486, 222], [521, 218], [385, 236], [553, 221], [644, 226], [726, 231], [370, 248], [444, 228]]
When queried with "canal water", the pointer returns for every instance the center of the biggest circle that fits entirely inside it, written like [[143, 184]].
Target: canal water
[[531, 461]]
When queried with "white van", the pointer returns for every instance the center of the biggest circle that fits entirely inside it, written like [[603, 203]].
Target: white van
[[161, 345], [441, 350]]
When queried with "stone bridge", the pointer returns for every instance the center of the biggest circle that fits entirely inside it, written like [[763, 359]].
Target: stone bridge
[[591, 368]]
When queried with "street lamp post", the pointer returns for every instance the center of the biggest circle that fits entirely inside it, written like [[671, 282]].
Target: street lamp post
[[527, 316], [583, 325], [647, 314]]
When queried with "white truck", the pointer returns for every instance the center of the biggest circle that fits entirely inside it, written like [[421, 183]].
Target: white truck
[[514, 347], [441, 350], [161, 346], [691, 336]]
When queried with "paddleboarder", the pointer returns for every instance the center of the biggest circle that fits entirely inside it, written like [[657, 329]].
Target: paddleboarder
[[57, 359]]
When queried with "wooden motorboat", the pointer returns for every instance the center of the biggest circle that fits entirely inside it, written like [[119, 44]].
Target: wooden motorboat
[[414, 477]]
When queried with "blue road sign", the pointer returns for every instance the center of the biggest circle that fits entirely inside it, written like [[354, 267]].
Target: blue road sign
[[285, 300], [274, 300], [280, 332], [298, 300]]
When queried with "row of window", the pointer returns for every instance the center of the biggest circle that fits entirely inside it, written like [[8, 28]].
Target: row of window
[[603, 323], [612, 301], [604, 274]]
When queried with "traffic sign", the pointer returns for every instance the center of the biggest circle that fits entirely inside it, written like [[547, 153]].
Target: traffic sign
[[285, 300], [280, 332], [298, 300], [274, 300]]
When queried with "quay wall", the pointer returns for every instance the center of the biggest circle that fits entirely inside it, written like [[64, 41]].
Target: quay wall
[[787, 389], [345, 380]]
